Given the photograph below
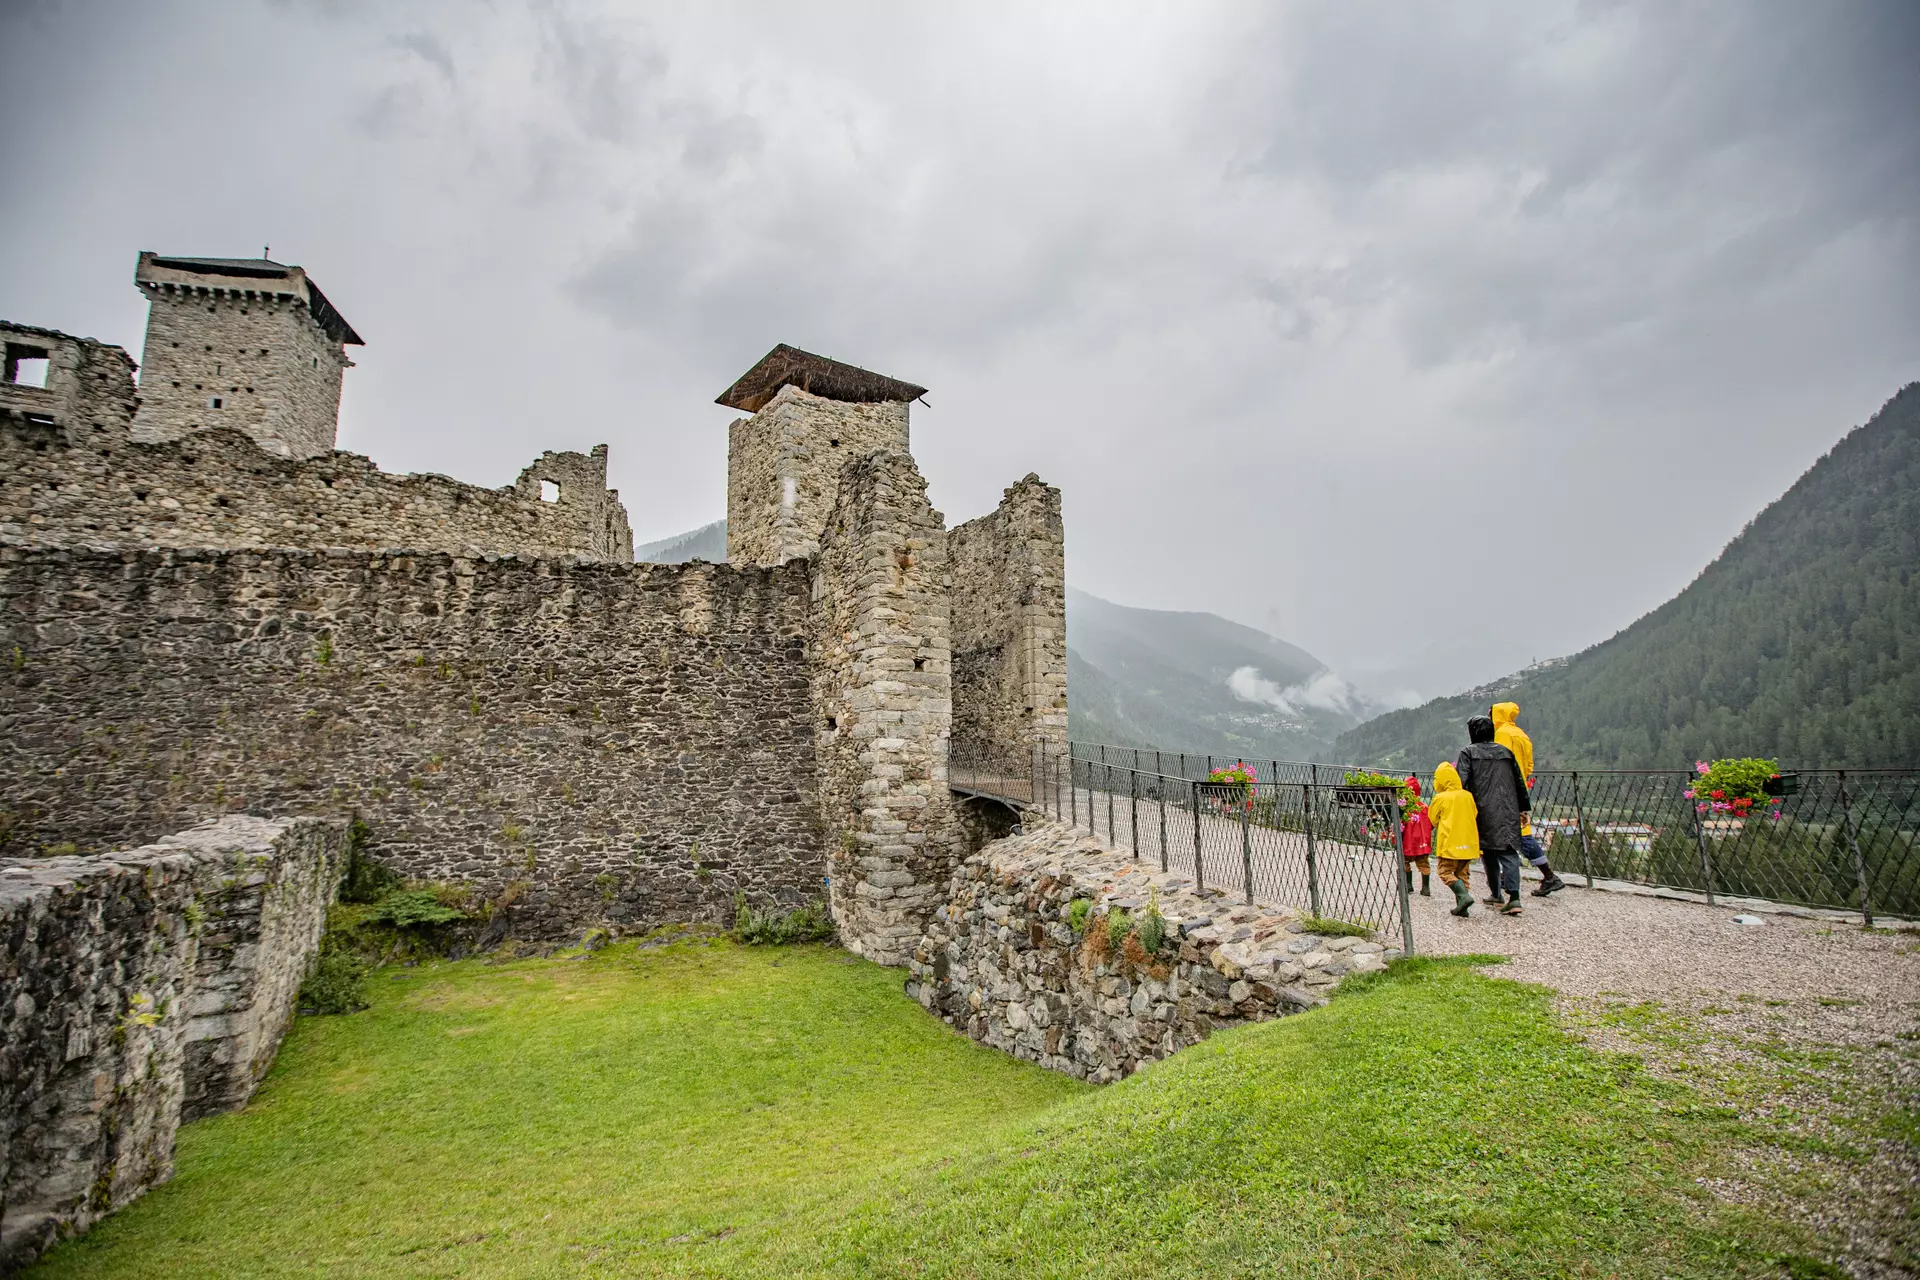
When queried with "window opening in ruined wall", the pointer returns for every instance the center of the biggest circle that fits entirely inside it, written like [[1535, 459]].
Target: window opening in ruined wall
[[549, 491], [27, 366]]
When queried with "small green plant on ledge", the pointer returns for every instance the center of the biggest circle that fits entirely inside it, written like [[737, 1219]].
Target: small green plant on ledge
[[755, 927], [1078, 913], [1328, 926]]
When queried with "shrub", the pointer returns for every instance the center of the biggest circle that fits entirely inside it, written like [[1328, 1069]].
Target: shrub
[[414, 909], [338, 983], [366, 880], [771, 927], [1119, 925], [1077, 913], [1153, 925]]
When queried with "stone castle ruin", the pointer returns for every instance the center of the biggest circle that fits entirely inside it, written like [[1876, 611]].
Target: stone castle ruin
[[206, 609], [211, 616]]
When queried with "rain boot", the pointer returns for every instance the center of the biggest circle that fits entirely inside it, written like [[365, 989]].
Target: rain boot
[[1426, 885], [1462, 898], [1513, 906]]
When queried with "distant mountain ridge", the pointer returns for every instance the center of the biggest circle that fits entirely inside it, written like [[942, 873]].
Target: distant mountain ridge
[[1159, 678], [1198, 682], [1799, 642], [708, 542]]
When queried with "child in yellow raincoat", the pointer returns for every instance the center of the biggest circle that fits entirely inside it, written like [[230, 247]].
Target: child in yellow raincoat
[[1456, 834]]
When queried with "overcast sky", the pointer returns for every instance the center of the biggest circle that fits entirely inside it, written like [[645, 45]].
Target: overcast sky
[[1432, 338]]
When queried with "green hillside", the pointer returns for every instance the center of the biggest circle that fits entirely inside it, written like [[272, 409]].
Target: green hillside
[[1800, 642]]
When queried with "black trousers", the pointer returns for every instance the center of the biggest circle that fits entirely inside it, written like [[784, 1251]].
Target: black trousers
[[1503, 870]]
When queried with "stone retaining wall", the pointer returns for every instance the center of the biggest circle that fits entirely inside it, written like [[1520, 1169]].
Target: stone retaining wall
[[1002, 962], [138, 989]]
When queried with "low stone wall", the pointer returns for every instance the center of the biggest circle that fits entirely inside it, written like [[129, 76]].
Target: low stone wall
[[1002, 962], [137, 989]]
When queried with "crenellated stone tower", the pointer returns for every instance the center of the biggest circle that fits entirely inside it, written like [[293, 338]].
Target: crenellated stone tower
[[245, 343]]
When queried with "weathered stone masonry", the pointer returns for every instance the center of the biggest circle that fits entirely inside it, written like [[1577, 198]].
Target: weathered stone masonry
[[215, 489], [138, 989], [1001, 961], [1010, 626], [883, 704], [625, 744]]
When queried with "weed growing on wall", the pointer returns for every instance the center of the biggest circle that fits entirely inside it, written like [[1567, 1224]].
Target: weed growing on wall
[[755, 927]]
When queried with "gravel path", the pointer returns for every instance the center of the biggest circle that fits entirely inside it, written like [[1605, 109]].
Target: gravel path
[[1587, 942]]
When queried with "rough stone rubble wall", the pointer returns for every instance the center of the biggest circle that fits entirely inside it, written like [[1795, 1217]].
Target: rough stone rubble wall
[[89, 391], [624, 744], [1001, 961], [783, 469], [1010, 626], [138, 989], [275, 371], [217, 489], [883, 705]]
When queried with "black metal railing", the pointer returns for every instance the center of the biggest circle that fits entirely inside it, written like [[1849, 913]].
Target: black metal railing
[[1840, 839], [1316, 846]]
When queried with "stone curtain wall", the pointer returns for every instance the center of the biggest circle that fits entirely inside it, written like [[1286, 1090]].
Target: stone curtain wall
[[138, 989], [89, 387], [883, 699], [603, 743], [216, 489], [1010, 625], [1001, 961], [276, 373], [783, 467]]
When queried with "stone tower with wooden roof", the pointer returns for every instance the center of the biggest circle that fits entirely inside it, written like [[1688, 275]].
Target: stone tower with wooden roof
[[246, 343], [811, 415]]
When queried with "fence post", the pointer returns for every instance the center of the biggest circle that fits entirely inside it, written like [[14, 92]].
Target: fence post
[[1700, 838], [1859, 862], [1246, 843], [1106, 771], [1133, 810], [1404, 878], [1199, 871], [1313, 853], [1160, 789], [1580, 820], [1073, 791]]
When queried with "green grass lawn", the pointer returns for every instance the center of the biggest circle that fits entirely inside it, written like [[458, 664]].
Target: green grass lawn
[[712, 1110]]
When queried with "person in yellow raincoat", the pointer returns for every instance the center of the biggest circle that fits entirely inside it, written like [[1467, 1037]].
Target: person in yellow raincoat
[[1456, 834], [1508, 733]]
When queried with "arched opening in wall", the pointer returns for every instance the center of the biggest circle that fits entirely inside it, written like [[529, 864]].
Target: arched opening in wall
[[984, 820], [549, 491]]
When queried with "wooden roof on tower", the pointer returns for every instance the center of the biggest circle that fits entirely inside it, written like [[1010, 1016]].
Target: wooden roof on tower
[[786, 366]]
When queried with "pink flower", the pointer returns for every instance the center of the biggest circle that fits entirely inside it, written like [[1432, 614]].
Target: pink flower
[[1702, 766]]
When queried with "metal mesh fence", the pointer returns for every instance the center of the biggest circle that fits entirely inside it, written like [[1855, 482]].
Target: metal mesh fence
[[1835, 839], [1323, 848]]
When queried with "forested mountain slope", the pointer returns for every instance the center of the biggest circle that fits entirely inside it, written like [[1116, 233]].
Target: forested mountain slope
[[1801, 641]]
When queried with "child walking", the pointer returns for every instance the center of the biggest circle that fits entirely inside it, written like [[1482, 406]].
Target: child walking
[[1456, 835], [1416, 839]]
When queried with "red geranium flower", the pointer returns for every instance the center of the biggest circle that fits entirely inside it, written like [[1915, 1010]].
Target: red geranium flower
[[1719, 795]]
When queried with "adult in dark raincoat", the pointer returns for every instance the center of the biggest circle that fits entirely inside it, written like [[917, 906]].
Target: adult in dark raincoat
[[1492, 776]]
